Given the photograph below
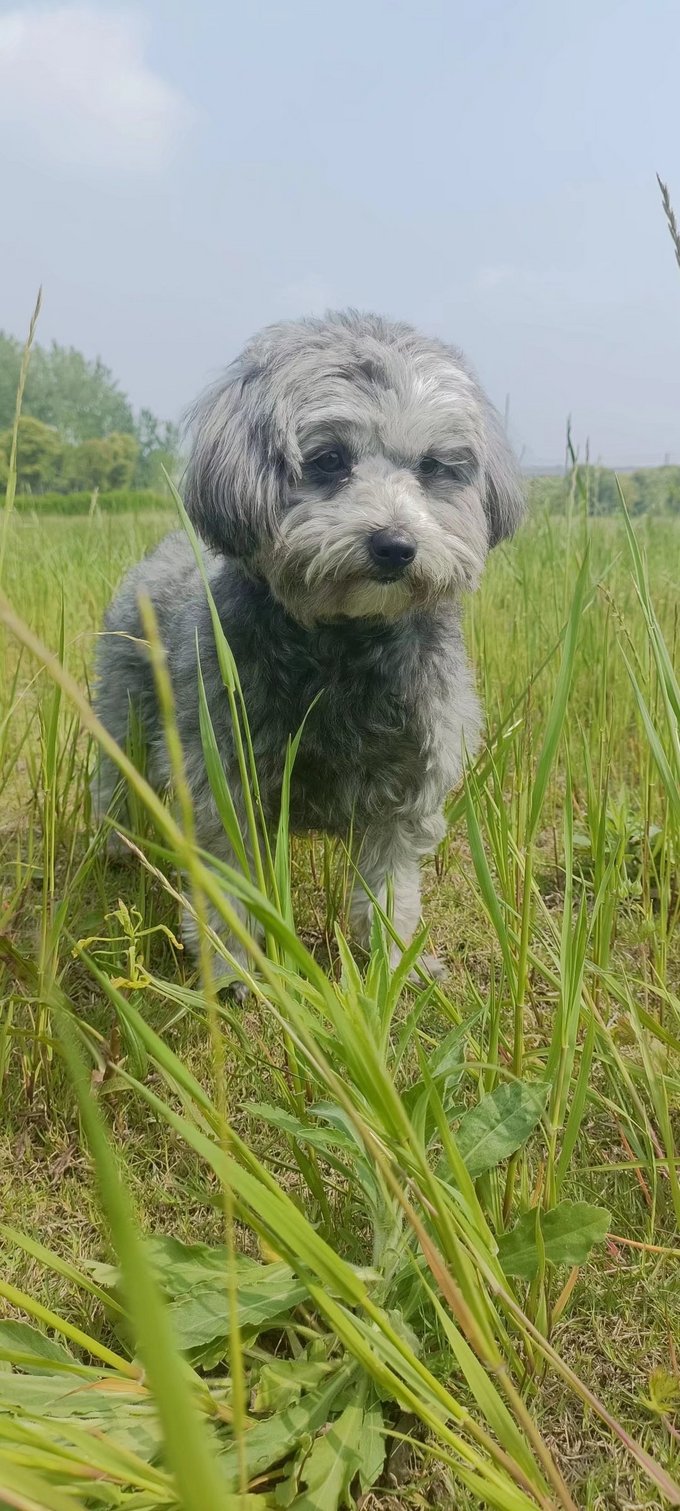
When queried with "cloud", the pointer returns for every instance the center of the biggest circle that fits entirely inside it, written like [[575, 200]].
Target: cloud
[[75, 88]]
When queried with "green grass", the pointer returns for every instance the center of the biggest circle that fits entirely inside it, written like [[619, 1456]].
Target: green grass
[[357, 1153], [103, 501]]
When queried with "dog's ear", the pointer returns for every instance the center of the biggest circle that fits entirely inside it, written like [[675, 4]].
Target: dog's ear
[[236, 478], [504, 497]]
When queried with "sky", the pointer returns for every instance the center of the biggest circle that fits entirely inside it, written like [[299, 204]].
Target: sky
[[178, 173]]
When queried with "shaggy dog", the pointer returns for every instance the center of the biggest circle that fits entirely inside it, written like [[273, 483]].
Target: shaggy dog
[[348, 477]]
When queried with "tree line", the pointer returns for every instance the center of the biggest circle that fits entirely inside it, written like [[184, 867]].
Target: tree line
[[78, 430], [648, 490]]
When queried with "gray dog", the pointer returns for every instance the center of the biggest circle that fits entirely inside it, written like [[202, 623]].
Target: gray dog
[[348, 477]]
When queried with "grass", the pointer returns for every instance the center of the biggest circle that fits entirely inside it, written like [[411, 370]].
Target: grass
[[434, 1233], [106, 501]]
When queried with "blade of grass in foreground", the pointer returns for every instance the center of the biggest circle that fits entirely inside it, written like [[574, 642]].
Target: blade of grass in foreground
[[23, 1490], [189, 1454], [10, 492], [164, 693]]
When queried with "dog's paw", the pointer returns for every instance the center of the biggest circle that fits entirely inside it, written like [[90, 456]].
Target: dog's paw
[[432, 966], [233, 990]]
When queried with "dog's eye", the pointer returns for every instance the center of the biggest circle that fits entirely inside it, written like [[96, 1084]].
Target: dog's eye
[[330, 463], [428, 466], [456, 472]]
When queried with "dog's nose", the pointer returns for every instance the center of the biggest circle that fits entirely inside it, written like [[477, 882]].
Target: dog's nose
[[390, 551]]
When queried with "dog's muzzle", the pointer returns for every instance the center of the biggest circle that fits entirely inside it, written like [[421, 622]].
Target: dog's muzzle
[[391, 552]]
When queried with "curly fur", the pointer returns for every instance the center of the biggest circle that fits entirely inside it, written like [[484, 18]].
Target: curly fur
[[305, 612]]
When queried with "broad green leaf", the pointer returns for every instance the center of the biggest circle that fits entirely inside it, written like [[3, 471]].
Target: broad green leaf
[[443, 1072], [370, 1445], [321, 1138], [26, 1348], [182, 1266], [59, 1395], [569, 1232], [201, 1315], [332, 1465], [283, 1381], [127, 1416], [449, 1055], [194, 1278], [272, 1440], [500, 1124], [89, 1447]]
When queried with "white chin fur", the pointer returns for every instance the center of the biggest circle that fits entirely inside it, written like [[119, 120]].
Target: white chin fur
[[359, 599], [374, 600]]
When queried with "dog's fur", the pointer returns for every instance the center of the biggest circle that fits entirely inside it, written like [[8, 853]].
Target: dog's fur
[[305, 612]]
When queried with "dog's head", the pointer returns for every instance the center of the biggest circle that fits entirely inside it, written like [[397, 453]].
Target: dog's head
[[354, 464]]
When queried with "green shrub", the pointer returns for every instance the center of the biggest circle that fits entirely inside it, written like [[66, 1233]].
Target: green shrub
[[117, 501]]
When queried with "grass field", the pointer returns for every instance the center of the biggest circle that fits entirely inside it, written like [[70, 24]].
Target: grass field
[[434, 1232]]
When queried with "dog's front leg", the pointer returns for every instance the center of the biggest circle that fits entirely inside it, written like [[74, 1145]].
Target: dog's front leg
[[390, 855], [212, 838]]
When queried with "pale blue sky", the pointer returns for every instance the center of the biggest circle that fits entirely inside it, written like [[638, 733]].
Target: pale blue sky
[[179, 173]]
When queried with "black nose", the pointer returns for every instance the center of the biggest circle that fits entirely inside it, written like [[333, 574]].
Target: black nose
[[390, 551]]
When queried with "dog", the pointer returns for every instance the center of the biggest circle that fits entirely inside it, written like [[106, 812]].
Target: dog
[[348, 478]]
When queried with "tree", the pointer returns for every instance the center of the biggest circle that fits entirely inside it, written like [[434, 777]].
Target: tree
[[603, 492], [158, 448], [105, 462], [123, 455], [39, 455], [673, 490], [80, 398], [10, 363], [82, 402]]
